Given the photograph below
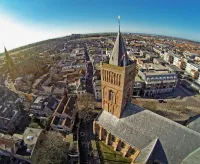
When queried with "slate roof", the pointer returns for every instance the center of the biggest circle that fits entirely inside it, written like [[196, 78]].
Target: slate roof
[[139, 127], [152, 152], [193, 158], [119, 55], [52, 103], [194, 123]]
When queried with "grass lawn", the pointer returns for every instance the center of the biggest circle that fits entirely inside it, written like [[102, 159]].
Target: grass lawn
[[109, 156]]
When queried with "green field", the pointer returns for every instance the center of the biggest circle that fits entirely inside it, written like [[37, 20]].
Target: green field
[[109, 156]]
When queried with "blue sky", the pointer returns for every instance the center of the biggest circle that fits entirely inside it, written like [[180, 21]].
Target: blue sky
[[27, 21]]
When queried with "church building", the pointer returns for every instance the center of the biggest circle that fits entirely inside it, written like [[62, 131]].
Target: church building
[[137, 133]]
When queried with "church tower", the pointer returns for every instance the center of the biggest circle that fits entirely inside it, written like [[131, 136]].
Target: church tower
[[8, 60], [10, 64], [117, 79]]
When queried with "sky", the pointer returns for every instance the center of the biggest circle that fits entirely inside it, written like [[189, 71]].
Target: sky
[[27, 21]]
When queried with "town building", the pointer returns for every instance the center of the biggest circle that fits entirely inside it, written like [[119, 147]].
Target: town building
[[179, 61], [138, 87], [193, 69], [23, 84], [168, 57], [65, 114], [43, 106], [10, 110], [157, 81], [38, 82], [81, 86], [137, 133], [21, 147], [175, 69], [97, 89]]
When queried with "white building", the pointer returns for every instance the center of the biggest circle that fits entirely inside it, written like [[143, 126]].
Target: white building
[[97, 89], [158, 82], [193, 69]]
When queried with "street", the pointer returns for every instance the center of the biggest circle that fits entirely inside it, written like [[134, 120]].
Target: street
[[85, 137]]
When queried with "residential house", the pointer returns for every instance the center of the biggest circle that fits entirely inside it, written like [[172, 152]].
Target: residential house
[[97, 89], [179, 61], [65, 114], [43, 106], [81, 86], [10, 110], [21, 147], [193, 69]]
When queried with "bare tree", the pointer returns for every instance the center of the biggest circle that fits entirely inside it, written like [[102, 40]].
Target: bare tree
[[86, 102], [51, 150], [86, 105]]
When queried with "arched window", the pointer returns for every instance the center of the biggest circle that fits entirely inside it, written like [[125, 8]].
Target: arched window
[[132, 151], [113, 138], [111, 96], [123, 145]]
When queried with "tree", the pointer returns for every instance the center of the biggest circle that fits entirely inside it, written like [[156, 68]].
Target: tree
[[52, 150], [34, 125], [86, 105], [85, 102]]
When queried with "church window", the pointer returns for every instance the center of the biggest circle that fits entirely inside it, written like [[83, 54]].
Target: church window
[[111, 96], [132, 151], [123, 145], [113, 138]]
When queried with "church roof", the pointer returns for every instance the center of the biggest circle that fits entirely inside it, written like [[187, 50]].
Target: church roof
[[139, 127], [119, 55], [193, 158], [194, 123], [152, 152]]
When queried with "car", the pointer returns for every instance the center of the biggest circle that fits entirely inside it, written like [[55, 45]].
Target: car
[[161, 101], [179, 97]]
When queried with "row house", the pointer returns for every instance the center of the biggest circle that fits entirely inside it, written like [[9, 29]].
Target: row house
[[138, 86], [65, 114], [81, 86], [97, 90], [38, 82], [43, 106], [168, 57], [193, 69], [23, 84], [22, 146], [179, 61], [11, 107]]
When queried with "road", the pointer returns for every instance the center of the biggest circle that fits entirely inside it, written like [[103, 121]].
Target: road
[[89, 73], [85, 137]]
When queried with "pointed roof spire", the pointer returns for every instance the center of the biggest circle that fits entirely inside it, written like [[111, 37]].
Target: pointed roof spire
[[8, 60], [119, 22], [5, 51], [119, 56]]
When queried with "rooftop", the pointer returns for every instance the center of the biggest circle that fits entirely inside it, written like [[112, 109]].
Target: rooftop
[[145, 126], [31, 135], [194, 123]]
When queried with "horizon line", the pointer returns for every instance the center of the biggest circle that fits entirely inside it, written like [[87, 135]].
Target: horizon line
[[187, 39]]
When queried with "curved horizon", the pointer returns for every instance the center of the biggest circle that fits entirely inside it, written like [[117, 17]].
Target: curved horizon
[[25, 22]]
